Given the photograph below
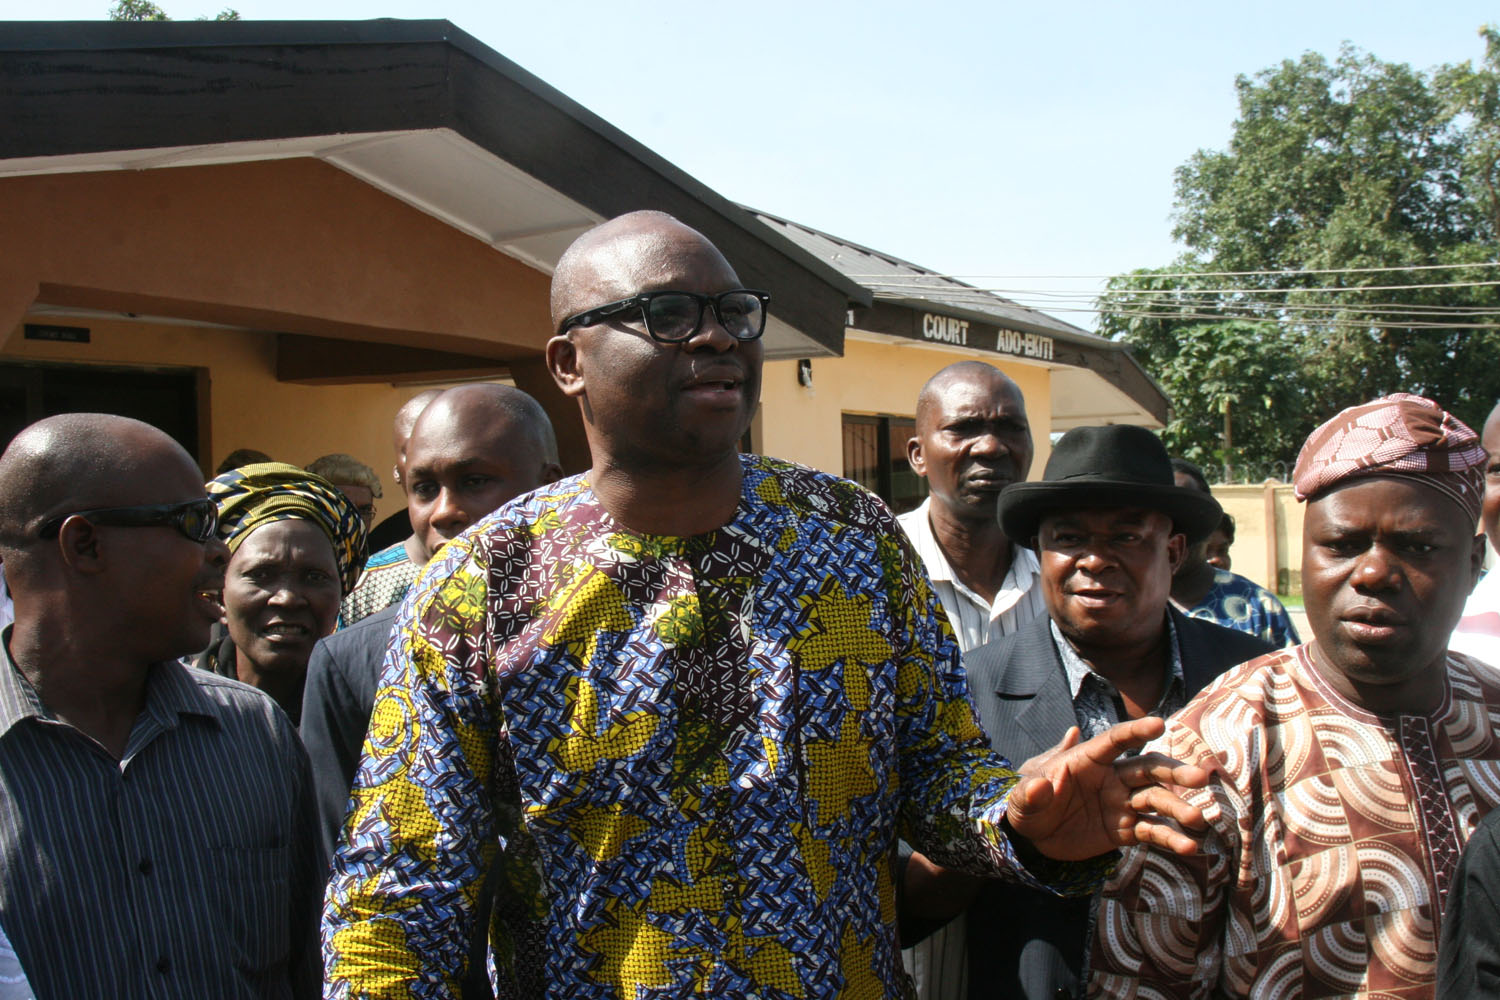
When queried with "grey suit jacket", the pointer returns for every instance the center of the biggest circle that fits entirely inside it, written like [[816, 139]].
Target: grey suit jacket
[[1023, 943]]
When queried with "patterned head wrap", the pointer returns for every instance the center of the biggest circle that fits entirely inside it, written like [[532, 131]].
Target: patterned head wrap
[[253, 495], [1399, 435]]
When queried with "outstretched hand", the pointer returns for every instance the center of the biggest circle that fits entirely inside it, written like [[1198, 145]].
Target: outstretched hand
[[1080, 800]]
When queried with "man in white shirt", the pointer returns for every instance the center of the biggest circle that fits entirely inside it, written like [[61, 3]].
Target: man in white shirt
[[972, 441]]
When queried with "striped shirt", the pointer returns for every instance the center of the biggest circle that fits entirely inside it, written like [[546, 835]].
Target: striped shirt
[[976, 621], [937, 963], [185, 869]]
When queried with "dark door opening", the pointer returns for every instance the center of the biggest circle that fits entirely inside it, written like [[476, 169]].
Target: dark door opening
[[167, 399], [875, 457]]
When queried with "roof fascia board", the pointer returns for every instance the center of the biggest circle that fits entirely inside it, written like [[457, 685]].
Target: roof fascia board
[[1090, 341]]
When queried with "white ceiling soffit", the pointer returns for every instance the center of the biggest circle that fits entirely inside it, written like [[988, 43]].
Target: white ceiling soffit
[[1082, 398], [435, 171]]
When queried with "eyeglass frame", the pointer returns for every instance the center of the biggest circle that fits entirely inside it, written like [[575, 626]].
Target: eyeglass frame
[[140, 516], [642, 301]]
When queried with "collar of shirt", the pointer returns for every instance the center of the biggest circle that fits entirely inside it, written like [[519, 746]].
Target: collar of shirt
[[1025, 570], [170, 694], [1079, 671]]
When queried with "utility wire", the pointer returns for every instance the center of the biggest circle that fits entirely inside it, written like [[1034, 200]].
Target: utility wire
[[1208, 302], [1338, 323], [1194, 274], [1312, 289]]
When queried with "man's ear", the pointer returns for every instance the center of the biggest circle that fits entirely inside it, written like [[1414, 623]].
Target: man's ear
[[562, 362], [551, 473], [914, 456], [78, 544], [1176, 550]]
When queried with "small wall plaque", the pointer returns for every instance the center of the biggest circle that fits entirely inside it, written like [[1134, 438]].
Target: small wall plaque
[[47, 331]]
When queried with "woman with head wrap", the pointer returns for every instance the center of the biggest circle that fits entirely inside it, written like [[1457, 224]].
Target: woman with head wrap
[[297, 545]]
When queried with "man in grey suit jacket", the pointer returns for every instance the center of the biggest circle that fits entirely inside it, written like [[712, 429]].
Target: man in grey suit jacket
[[1109, 526]]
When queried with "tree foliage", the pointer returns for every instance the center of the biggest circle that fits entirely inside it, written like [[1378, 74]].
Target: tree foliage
[[146, 10], [1341, 167]]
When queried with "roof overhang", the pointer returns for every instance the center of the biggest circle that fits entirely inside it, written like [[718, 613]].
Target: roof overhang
[[417, 109]]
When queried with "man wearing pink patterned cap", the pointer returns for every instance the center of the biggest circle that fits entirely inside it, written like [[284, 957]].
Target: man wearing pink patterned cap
[[1352, 769]]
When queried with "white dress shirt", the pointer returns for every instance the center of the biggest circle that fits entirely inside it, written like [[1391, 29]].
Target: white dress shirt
[[975, 620]]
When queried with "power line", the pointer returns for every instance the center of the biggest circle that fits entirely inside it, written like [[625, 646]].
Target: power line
[[1337, 323], [886, 286], [1208, 302], [1193, 274]]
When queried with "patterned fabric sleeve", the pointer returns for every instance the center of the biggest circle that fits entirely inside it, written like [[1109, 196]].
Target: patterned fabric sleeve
[[1283, 631], [955, 787], [1164, 919], [399, 908]]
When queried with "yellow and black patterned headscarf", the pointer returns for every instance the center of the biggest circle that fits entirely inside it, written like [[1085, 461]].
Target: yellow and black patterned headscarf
[[253, 495]]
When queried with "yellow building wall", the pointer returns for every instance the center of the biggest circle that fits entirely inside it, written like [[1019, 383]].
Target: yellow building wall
[[1267, 534], [248, 407], [803, 424]]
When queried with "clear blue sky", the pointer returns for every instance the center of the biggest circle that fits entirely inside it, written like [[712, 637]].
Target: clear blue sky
[[972, 138]]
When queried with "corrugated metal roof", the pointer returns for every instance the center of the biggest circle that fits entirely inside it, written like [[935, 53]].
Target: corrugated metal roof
[[894, 279]]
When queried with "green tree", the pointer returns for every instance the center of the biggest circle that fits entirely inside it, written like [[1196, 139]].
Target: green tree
[[1345, 168], [145, 10], [137, 10]]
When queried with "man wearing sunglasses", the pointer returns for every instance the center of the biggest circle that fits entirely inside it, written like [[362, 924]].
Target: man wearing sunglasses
[[691, 694], [155, 834]]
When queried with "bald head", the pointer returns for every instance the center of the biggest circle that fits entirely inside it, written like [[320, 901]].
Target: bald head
[[406, 417], [473, 449], [963, 376], [74, 461], [498, 414], [616, 258]]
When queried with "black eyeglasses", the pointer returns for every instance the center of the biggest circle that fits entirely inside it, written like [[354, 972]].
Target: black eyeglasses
[[672, 317], [196, 519]]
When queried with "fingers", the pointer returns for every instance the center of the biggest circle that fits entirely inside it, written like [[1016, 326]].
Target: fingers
[[1037, 766], [1027, 808], [1159, 832], [1158, 768], [1158, 802], [1125, 736]]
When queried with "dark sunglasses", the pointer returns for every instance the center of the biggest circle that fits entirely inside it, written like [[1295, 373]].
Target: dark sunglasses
[[672, 317], [196, 519]]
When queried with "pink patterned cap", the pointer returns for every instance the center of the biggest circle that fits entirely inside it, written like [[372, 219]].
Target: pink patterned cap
[[1397, 435]]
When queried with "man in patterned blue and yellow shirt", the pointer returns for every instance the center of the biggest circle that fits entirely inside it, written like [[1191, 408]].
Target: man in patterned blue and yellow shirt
[[691, 697]]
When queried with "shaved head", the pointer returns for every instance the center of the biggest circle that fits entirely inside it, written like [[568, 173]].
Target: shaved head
[[474, 449], [74, 461], [133, 593], [608, 262], [488, 404], [406, 417], [983, 376]]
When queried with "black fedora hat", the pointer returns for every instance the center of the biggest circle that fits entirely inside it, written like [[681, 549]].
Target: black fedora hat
[[1115, 466]]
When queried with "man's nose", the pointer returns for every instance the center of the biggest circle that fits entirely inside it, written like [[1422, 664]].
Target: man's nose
[[1095, 557], [1377, 570], [711, 335], [987, 443], [447, 512]]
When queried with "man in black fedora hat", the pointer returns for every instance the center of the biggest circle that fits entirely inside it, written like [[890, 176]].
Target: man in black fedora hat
[[1109, 526]]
